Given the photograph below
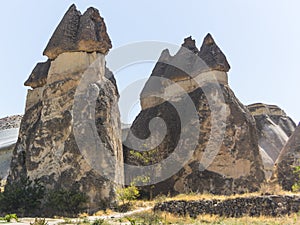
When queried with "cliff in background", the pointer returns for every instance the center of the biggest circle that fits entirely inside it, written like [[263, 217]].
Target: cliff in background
[[274, 129]]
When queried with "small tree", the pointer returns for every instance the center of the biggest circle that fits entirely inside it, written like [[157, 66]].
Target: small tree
[[127, 194]]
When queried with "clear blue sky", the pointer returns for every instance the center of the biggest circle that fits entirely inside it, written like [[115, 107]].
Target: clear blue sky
[[259, 38]]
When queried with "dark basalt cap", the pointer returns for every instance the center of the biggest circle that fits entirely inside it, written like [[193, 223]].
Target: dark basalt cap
[[212, 55], [78, 32], [190, 44], [38, 77]]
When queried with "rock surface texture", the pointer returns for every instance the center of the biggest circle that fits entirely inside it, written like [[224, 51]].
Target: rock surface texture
[[288, 159], [10, 122], [200, 118], [274, 129], [47, 146], [78, 32]]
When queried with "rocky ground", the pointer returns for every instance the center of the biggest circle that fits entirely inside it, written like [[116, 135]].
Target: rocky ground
[[86, 220]]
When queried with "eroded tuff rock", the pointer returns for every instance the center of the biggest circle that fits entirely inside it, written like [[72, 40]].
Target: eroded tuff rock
[[220, 139], [78, 32], [73, 94], [274, 129], [9, 127], [288, 159]]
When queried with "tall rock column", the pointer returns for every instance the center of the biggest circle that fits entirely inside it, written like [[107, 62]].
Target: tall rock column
[[47, 146], [208, 138]]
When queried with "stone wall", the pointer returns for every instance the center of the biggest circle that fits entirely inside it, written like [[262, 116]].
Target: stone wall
[[236, 207]]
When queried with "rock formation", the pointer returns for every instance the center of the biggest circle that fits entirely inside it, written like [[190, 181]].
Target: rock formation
[[274, 129], [207, 138], [76, 33], [10, 122], [288, 159], [59, 108], [9, 127]]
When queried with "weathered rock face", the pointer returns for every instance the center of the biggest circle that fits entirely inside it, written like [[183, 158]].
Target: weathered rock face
[[212, 55], [288, 159], [58, 110], [274, 129], [9, 127], [221, 139], [78, 32]]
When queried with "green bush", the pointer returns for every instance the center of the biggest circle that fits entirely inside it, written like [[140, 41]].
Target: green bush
[[22, 197], [7, 218], [296, 186], [65, 202], [127, 194]]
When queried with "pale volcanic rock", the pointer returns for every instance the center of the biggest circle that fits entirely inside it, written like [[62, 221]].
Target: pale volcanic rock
[[274, 129], [289, 158], [58, 112], [9, 127], [10, 122], [236, 167]]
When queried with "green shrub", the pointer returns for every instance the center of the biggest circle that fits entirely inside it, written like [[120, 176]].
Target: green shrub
[[66, 202], [127, 194], [7, 218], [296, 186], [23, 197]]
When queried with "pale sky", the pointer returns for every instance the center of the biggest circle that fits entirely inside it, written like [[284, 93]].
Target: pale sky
[[259, 38]]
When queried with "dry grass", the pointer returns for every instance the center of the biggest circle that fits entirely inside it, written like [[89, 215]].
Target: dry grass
[[195, 196], [104, 212], [167, 218], [292, 219], [136, 204], [142, 204]]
